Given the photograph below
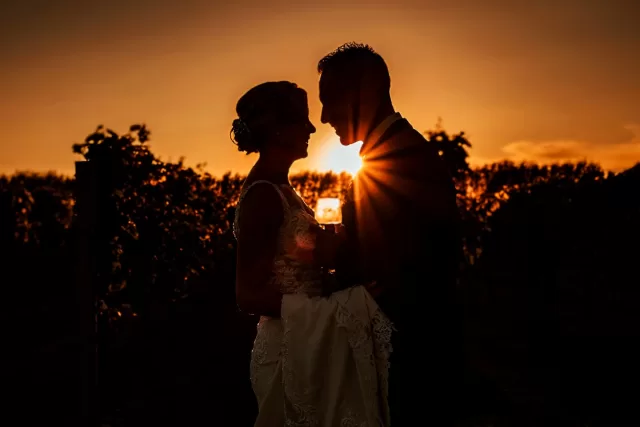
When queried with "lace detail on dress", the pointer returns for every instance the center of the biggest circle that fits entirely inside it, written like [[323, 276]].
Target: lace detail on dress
[[299, 406], [369, 332], [264, 353], [293, 269], [325, 362], [335, 360]]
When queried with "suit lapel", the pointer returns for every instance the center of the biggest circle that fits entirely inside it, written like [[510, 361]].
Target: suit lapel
[[374, 148]]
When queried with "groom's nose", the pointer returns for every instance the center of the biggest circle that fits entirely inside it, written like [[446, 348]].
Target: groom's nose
[[324, 117]]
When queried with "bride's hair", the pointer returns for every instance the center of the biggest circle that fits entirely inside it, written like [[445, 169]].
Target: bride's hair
[[261, 110]]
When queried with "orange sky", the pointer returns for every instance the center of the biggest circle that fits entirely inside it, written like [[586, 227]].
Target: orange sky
[[540, 80]]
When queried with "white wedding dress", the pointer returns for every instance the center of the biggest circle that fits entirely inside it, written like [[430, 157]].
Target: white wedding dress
[[325, 362]]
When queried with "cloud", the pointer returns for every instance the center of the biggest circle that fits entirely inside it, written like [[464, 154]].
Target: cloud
[[614, 157]]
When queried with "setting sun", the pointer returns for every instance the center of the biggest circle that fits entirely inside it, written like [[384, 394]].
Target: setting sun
[[338, 158]]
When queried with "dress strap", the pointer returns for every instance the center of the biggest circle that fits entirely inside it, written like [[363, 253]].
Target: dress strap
[[283, 199], [285, 203]]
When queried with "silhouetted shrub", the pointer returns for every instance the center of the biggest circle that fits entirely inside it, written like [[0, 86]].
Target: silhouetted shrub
[[550, 258]]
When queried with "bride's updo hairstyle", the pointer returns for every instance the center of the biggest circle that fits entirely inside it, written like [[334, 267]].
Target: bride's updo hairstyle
[[262, 111]]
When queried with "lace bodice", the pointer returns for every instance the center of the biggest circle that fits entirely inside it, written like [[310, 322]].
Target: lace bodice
[[324, 361], [292, 271]]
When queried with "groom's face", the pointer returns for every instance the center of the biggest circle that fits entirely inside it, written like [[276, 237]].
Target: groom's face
[[340, 106]]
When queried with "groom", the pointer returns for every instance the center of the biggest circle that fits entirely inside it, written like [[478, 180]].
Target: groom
[[401, 224]]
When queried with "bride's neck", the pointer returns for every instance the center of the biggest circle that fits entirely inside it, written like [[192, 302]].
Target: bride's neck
[[274, 170]]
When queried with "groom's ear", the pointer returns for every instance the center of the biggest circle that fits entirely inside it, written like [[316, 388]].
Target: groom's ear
[[372, 85]]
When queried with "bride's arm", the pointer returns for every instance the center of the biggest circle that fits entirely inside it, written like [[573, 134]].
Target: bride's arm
[[259, 223]]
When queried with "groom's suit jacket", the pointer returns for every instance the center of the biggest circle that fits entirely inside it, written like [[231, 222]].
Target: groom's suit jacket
[[402, 222]]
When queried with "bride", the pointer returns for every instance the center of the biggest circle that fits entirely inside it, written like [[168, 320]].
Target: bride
[[319, 358]]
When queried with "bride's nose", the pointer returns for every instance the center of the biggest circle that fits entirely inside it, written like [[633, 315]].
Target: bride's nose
[[311, 127]]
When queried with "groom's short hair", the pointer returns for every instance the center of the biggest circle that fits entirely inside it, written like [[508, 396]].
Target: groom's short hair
[[354, 60]]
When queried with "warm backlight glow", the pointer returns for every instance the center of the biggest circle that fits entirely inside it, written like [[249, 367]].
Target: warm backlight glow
[[338, 158], [328, 211]]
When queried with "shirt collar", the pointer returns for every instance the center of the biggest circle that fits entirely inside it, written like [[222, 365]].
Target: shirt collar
[[379, 130]]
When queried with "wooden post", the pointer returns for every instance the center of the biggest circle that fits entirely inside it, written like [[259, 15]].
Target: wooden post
[[85, 222]]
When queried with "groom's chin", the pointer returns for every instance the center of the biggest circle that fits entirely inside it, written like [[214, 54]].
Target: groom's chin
[[346, 141]]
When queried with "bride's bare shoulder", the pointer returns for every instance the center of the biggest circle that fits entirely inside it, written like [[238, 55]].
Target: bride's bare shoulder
[[260, 200]]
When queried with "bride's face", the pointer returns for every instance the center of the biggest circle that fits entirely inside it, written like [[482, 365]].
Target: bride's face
[[295, 131]]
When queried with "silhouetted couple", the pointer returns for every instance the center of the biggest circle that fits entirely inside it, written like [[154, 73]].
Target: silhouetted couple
[[373, 344]]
